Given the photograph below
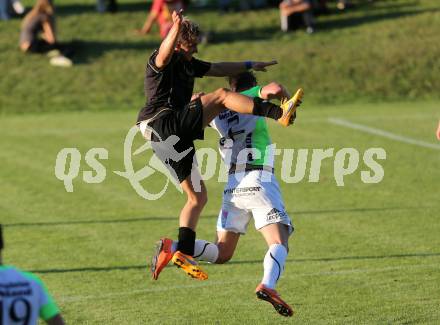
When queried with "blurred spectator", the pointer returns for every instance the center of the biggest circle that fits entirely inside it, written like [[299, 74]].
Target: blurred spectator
[[344, 4], [294, 13], [106, 5], [160, 12], [10, 6], [438, 130], [41, 20]]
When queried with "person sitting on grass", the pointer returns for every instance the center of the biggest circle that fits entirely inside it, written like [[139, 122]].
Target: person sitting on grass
[[38, 34], [24, 297], [294, 13]]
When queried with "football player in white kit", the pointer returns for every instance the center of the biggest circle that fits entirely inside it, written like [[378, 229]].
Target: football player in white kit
[[252, 190], [24, 297]]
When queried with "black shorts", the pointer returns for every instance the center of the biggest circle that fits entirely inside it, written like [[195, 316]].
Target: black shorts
[[173, 139]]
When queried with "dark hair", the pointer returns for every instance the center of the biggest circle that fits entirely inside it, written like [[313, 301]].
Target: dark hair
[[242, 81], [189, 32]]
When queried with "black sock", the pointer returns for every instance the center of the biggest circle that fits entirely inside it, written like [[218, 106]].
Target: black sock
[[186, 241], [266, 109]]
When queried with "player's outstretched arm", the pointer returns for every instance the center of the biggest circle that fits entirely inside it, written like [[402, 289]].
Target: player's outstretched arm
[[166, 49], [225, 69], [274, 90]]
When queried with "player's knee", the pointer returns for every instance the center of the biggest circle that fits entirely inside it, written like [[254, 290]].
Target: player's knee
[[220, 95], [225, 253], [198, 199], [279, 242], [223, 258]]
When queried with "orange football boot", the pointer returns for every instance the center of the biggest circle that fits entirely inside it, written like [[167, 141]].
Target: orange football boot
[[189, 265], [270, 295], [162, 257]]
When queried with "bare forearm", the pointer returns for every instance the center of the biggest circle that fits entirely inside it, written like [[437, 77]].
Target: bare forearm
[[49, 33], [149, 22], [166, 49]]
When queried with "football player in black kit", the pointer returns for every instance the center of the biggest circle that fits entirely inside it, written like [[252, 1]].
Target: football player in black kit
[[171, 110]]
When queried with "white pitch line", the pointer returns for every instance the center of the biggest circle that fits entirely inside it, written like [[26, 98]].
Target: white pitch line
[[382, 133]]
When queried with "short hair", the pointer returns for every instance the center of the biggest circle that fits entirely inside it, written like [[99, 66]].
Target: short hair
[[189, 32], [242, 81]]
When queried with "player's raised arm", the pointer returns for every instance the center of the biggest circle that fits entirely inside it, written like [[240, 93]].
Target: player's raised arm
[[166, 49], [225, 69]]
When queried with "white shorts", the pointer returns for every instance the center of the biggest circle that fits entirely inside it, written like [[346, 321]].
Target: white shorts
[[251, 197]]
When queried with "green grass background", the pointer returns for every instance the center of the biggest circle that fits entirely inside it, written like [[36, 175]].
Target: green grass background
[[362, 253], [385, 50]]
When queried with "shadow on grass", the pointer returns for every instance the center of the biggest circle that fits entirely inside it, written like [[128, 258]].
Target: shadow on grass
[[298, 260], [148, 219], [86, 51], [367, 19], [384, 5], [77, 9], [250, 34]]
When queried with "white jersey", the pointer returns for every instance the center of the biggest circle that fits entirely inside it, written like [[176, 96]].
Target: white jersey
[[23, 298], [253, 194], [244, 138]]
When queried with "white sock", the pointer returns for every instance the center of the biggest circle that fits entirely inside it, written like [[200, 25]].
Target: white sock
[[274, 264], [203, 250]]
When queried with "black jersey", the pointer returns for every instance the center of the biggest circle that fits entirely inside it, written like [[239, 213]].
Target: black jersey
[[172, 86]]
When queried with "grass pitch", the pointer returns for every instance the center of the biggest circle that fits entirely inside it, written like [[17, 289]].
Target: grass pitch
[[362, 253]]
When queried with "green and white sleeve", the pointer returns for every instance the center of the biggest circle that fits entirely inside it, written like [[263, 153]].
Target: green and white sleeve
[[47, 305]]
